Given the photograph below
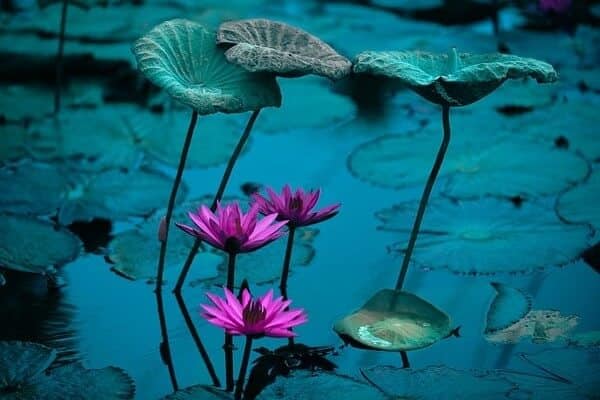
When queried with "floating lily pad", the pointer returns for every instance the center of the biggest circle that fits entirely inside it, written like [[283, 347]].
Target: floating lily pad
[[542, 326], [30, 245], [453, 79], [510, 305], [262, 45], [394, 320], [199, 392], [264, 265], [21, 361], [181, 57], [304, 385], [585, 339], [581, 204], [217, 136], [486, 236], [13, 143], [22, 365], [115, 194], [439, 382], [307, 104], [475, 165]]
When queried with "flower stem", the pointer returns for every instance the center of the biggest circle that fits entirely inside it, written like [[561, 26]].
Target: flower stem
[[286, 268], [228, 345], [218, 196], [243, 368], [165, 348], [199, 345], [59, 56], [172, 197], [425, 196]]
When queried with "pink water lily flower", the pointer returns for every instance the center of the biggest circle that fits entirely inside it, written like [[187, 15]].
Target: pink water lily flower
[[253, 317], [297, 207], [231, 230]]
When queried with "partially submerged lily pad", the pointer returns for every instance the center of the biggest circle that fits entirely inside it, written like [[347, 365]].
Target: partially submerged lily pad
[[22, 361], [181, 57], [509, 306], [35, 246], [396, 321], [262, 45], [542, 326], [305, 385], [581, 204], [473, 236], [439, 382], [452, 79]]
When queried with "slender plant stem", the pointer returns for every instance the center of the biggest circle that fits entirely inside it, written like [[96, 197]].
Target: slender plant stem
[[194, 332], [425, 196], [228, 345], [165, 347], [59, 56], [286, 268], [172, 197], [243, 368], [405, 362], [218, 196]]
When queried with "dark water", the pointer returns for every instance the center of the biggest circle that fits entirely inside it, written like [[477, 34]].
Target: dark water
[[516, 201]]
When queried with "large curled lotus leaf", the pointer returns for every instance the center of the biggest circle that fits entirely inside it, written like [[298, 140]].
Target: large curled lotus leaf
[[263, 266], [308, 104], [439, 382], [22, 361], [216, 137], [31, 245], [475, 165], [182, 57], [509, 306], [41, 188], [115, 194], [394, 320], [198, 392], [541, 326], [473, 236], [581, 204], [133, 253], [262, 45], [305, 385], [559, 373], [452, 79], [73, 381]]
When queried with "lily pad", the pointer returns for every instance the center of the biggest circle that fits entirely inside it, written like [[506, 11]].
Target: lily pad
[[304, 385], [262, 45], [475, 165], [453, 79], [395, 321], [585, 339], [181, 57], [115, 194], [198, 392], [85, 4], [542, 326], [13, 143], [473, 236], [510, 305], [439, 382], [31, 245], [580, 204], [264, 265], [22, 361]]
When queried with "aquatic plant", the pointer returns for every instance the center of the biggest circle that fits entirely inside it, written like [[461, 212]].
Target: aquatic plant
[[181, 57], [235, 232], [448, 80], [252, 318]]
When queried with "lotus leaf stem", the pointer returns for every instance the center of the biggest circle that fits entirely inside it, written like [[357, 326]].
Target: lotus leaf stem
[[286, 269], [405, 362], [59, 56], [243, 368], [165, 347]]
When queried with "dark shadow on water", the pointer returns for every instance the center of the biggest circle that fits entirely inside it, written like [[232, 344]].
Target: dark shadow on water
[[94, 234]]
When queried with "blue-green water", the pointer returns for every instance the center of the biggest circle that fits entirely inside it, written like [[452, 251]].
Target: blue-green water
[[516, 201]]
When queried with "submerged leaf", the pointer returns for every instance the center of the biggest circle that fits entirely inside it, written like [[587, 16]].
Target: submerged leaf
[[21, 362], [509, 306], [181, 57], [486, 236], [581, 204]]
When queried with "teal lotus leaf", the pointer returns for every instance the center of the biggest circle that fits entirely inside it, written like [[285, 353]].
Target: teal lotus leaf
[[439, 382], [35, 246], [452, 79], [262, 45], [22, 361], [509, 306], [581, 204], [182, 57], [486, 236], [394, 320]]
